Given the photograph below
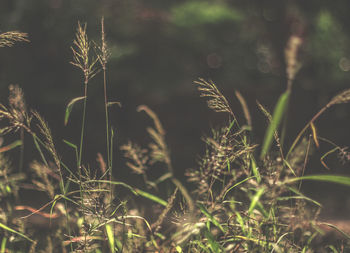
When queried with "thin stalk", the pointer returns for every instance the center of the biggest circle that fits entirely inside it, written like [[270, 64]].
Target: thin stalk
[[184, 192], [81, 146], [82, 128], [38, 141], [111, 163], [306, 127], [106, 114], [285, 119], [109, 150], [21, 155], [103, 59]]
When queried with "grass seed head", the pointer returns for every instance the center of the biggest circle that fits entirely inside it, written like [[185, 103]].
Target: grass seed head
[[8, 39], [81, 54], [341, 98], [291, 56]]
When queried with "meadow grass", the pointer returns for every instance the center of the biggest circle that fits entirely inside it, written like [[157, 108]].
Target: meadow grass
[[246, 195]]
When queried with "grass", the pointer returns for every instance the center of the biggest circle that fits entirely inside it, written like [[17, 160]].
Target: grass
[[242, 201]]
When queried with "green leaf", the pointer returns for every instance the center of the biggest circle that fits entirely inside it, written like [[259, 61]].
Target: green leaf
[[11, 146], [237, 184], [230, 127], [70, 107], [194, 13], [213, 244], [300, 196], [110, 235], [72, 145], [255, 200], [3, 245], [210, 217], [15, 232], [324, 178], [255, 169], [163, 178], [178, 249], [151, 197], [134, 191], [278, 113]]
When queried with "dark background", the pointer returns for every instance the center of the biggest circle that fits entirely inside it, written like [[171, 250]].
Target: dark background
[[159, 47]]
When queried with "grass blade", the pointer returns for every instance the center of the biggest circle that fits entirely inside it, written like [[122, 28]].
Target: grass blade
[[336, 228], [299, 196], [151, 197], [72, 145], [210, 217], [134, 191], [213, 244], [3, 245], [11, 146], [278, 113], [343, 180], [110, 235], [255, 200], [237, 184], [15, 232], [255, 169], [70, 107]]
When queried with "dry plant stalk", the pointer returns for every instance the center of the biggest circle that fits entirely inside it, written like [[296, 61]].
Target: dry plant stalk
[[157, 225], [101, 162], [136, 154], [244, 107], [8, 39], [222, 148], [158, 153], [342, 98], [46, 132], [154, 117], [159, 149], [42, 171]]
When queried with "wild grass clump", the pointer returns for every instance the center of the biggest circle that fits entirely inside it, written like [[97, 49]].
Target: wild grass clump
[[246, 195]]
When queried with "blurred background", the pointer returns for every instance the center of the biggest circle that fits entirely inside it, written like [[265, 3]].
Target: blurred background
[[158, 48]]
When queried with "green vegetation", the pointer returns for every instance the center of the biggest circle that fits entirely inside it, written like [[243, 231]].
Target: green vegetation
[[201, 13], [240, 201]]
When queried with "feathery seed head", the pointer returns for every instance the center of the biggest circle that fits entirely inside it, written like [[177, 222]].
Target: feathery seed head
[[8, 39], [81, 54]]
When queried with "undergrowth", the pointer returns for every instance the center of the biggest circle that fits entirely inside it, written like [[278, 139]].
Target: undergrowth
[[247, 195]]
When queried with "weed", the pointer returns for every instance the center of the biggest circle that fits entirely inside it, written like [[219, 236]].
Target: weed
[[241, 202]]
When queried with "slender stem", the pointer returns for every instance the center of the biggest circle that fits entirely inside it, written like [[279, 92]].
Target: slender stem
[[21, 156], [107, 123], [82, 127], [81, 190], [306, 127], [285, 119], [184, 192], [108, 144]]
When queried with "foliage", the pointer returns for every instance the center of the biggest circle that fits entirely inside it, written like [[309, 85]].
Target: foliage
[[202, 12], [240, 202]]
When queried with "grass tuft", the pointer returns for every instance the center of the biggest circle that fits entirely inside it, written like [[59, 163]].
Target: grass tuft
[[231, 201]]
